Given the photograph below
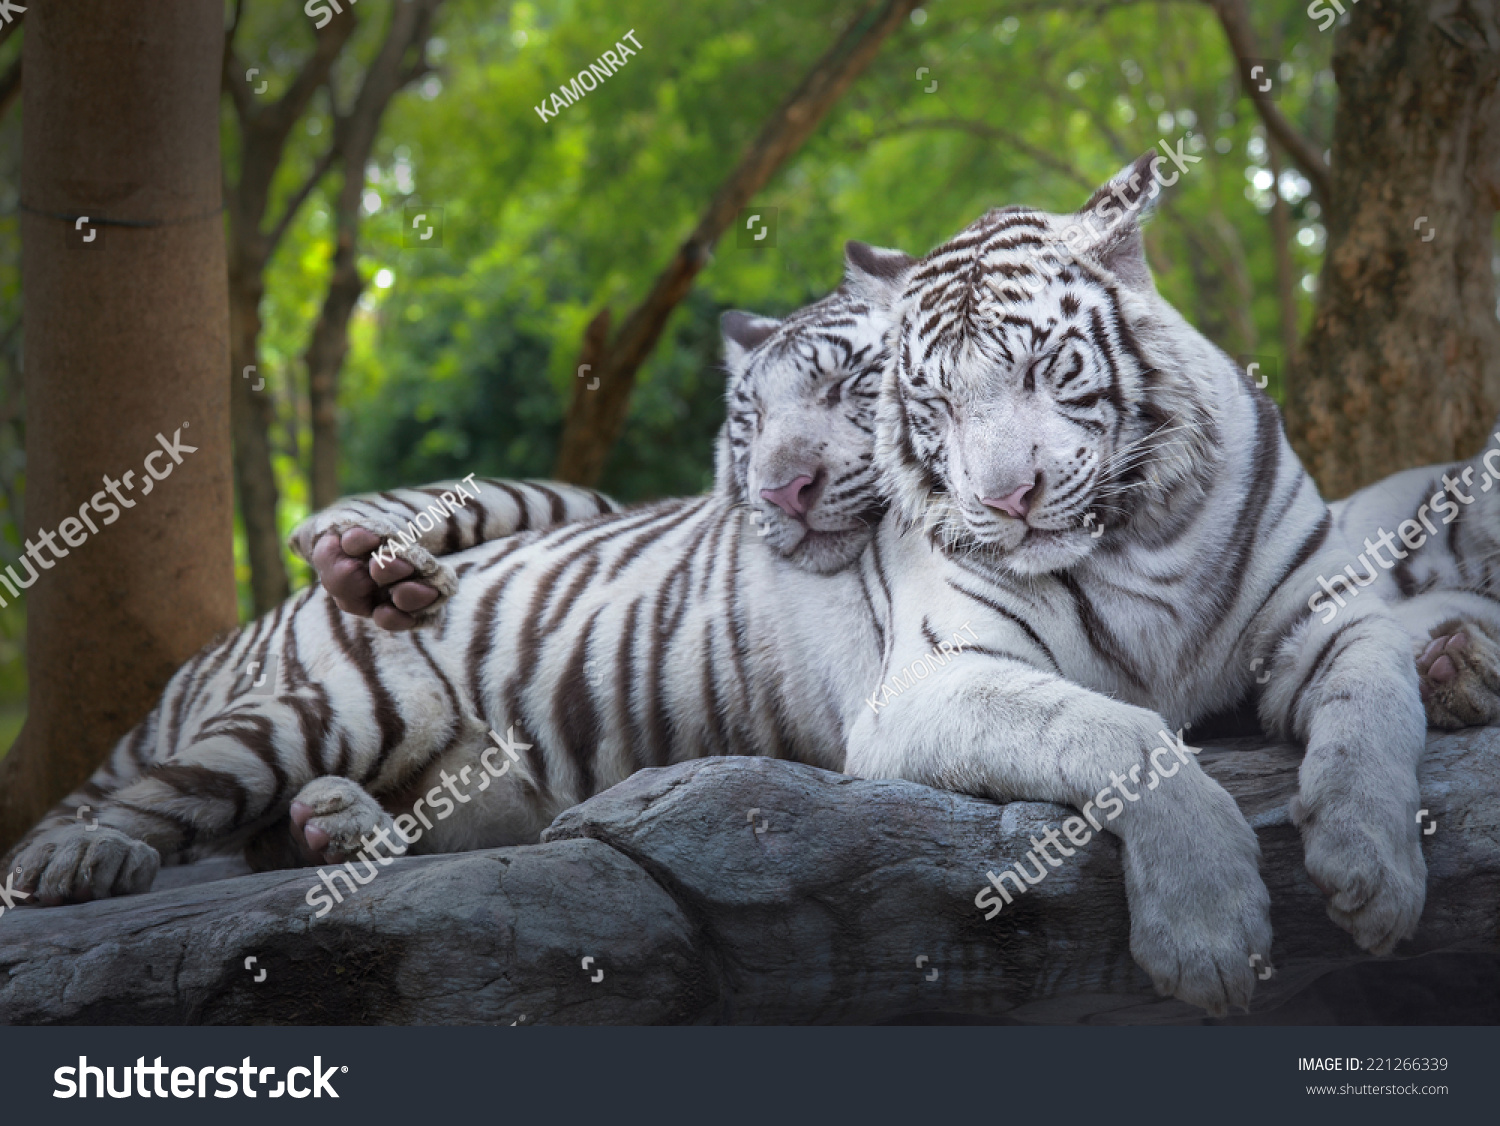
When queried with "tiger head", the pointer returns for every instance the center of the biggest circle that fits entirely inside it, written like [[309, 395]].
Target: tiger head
[[797, 446], [1040, 389]]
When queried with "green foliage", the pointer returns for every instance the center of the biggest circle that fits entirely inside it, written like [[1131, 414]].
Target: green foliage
[[463, 354]]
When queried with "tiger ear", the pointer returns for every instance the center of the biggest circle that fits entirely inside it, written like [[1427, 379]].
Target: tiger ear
[[875, 274], [1113, 217], [742, 333]]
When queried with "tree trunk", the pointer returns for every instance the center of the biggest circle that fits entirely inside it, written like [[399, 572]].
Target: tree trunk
[[595, 418], [1402, 365], [1286, 274], [818, 912], [354, 142], [264, 130], [252, 413], [325, 357], [126, 339]]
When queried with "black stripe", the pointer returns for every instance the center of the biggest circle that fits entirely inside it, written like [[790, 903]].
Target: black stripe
[[624, 687], [1312, 673], [1099, 635], [356, 646], [1004, 613], [574, 715], [308, 700], [193, 780], [1239, 550]]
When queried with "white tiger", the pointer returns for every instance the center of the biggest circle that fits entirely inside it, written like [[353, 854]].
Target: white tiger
[[1012, 426], [1194, 981], [522, 627], [1378, 900], [368, 716], [801, 412], [1427, 542]]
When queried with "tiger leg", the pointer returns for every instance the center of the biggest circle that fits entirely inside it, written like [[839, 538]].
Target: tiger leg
[[1346, 688], [1006, 730], [233, 775]]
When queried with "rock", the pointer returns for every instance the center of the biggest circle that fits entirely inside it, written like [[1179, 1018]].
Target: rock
[[751, 891]]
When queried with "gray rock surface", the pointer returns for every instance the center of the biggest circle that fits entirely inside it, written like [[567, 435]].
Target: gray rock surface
[[747, 891]]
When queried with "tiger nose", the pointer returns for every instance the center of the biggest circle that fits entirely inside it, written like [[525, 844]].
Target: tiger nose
[[1014, 503], [789, 497]]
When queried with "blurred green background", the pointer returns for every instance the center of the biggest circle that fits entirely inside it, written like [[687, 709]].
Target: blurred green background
[[462, 355]]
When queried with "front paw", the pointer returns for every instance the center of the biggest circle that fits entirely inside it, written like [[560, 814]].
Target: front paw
[[1199, 914], [1370, 868], [1459, 673], [74, 863], [332, 818]]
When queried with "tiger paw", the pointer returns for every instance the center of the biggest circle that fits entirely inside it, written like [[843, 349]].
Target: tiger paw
[[1196, 925], [364, 563], [74, 863], [1368, 861], [1459, 674], [334, 819]]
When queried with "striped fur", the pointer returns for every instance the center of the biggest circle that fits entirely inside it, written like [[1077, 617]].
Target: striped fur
[[1084, 393], [424, 523], [632, 639], [801, 402], [1437, 565], [669, 603], [214, 693], [646, 637]]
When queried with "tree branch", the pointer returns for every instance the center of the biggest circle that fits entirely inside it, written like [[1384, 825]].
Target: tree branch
[[1303, 153], [299, 197], [595, 418], [353, 142], [276, 120]]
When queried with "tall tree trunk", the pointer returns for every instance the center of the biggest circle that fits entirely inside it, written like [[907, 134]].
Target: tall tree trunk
[[1402, 365], [354, 141], [1286, 274], [326, 350], [126, 339], [264, 130], [252, 413], [595, 418]]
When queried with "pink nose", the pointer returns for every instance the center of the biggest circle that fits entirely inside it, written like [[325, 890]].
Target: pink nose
[[1013, 503], [789, 497]]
